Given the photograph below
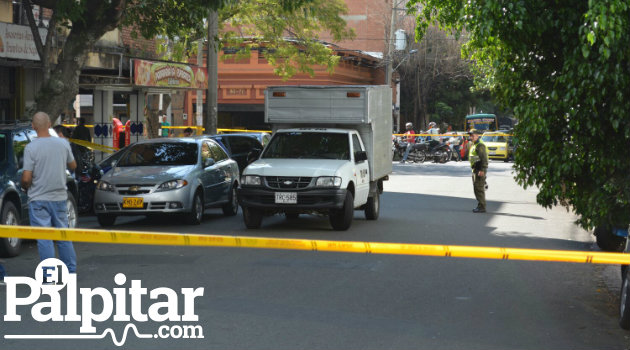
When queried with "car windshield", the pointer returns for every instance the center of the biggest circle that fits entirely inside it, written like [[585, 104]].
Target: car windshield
[[494, 138], [167, 153], [308, 145]]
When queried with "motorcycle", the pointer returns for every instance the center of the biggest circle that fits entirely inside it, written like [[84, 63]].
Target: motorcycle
[[87, 176], [416, 154], [399, 146], [439, 152]]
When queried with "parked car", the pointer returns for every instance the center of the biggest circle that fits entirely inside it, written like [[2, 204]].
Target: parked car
[[180, 176], [108, 162], [239, 146], [498, 144], [13, 200]]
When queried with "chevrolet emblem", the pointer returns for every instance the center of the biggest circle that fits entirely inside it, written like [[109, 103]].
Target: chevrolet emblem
[[288, 183], [134, 188]]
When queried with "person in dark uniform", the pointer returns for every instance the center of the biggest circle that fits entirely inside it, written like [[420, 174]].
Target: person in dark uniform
[[81, 132], [478, 156]]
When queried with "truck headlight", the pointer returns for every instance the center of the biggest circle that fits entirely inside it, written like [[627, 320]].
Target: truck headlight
[[251, 180], [105, 186], [328, 181], [172, 185]]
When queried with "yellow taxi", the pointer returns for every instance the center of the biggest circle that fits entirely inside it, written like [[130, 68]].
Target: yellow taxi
[[499, 144]]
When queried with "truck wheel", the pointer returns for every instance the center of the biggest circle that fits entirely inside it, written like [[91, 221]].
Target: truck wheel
[[231, 208], [608, 241], [106, 220], [624, 302], [252, 217], [372, 207], [341, 219], [10, 247]]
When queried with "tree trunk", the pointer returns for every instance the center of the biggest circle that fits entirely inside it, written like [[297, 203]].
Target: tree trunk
[[62, 86], [153, 113]]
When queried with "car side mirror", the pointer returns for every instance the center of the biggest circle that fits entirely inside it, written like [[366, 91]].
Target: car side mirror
[[208, 162], [360, 156], [253, 155]]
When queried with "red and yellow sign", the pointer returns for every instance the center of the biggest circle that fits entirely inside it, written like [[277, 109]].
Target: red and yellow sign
[[166, 74]]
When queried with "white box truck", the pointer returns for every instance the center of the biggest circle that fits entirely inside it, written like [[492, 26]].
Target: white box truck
[[329, 154]]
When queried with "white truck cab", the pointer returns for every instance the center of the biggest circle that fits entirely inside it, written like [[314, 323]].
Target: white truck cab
[[329, 154]]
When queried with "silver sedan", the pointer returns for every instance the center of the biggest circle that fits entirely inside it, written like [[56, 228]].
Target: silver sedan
[[168, 176]]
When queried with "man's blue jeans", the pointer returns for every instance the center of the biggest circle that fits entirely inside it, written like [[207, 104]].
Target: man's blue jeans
[[52, 214], [3, 273]]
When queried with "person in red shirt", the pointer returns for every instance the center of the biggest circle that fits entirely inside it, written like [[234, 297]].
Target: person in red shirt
[[410, 139], [410, 132]]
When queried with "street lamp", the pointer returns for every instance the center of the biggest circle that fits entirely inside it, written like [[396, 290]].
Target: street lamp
[[411, 52]]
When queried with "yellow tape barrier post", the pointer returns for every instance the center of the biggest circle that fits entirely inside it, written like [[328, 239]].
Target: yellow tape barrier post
[[176, 239]]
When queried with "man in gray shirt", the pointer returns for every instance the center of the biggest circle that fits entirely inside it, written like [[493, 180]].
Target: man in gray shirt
[[45, 162]]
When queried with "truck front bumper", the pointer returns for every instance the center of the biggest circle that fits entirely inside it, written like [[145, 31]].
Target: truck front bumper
[[319, 200]]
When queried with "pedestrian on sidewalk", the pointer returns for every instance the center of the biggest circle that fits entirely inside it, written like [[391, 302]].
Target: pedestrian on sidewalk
[[44, 179], [478, 156]]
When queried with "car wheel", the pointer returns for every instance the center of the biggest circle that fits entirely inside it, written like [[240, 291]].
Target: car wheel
[[252, 217], [608, 241], [196, 212], [341, 219], [624, 302], [72, 210], [10, 247], [231, 208], [372, 207], [106, 220]]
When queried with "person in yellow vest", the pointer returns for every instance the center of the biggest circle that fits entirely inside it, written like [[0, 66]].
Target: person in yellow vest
[[478, 156]]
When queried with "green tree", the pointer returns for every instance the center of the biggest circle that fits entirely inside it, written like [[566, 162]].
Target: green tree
[[78, 25], [564, 68]]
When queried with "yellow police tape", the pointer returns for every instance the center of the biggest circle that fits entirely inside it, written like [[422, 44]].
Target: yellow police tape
[[177, 239], [94, 146], [491, 133]]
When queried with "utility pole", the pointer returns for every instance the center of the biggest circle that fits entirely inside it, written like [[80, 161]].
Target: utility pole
[[388, 60], [199, 114], [390, 47], [210, 122]]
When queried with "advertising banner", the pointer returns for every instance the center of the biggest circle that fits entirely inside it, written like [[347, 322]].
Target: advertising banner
[[166, 74], [17, 41]]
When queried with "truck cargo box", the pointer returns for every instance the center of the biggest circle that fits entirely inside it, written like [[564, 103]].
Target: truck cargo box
[[365, 108]]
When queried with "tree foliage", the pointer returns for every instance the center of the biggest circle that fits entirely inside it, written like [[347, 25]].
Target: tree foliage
[[79, 24], [564, 68], [436, 83], [290, 37]]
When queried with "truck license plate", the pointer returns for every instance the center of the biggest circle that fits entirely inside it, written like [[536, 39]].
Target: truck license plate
[[286, 197], [133, 202]]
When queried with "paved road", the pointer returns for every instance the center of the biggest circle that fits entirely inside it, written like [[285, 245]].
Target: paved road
[[257, 299]]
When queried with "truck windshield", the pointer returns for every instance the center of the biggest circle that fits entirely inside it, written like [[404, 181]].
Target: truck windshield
[[308, 145]]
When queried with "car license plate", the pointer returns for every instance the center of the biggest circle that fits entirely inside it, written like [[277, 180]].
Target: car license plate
[[133, 202], [492, 153], [286, 197]]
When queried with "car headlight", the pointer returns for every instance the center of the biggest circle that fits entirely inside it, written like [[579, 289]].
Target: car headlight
[[328, 181], [172, 185], [105, 186], [501, 148], [251, 180]]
